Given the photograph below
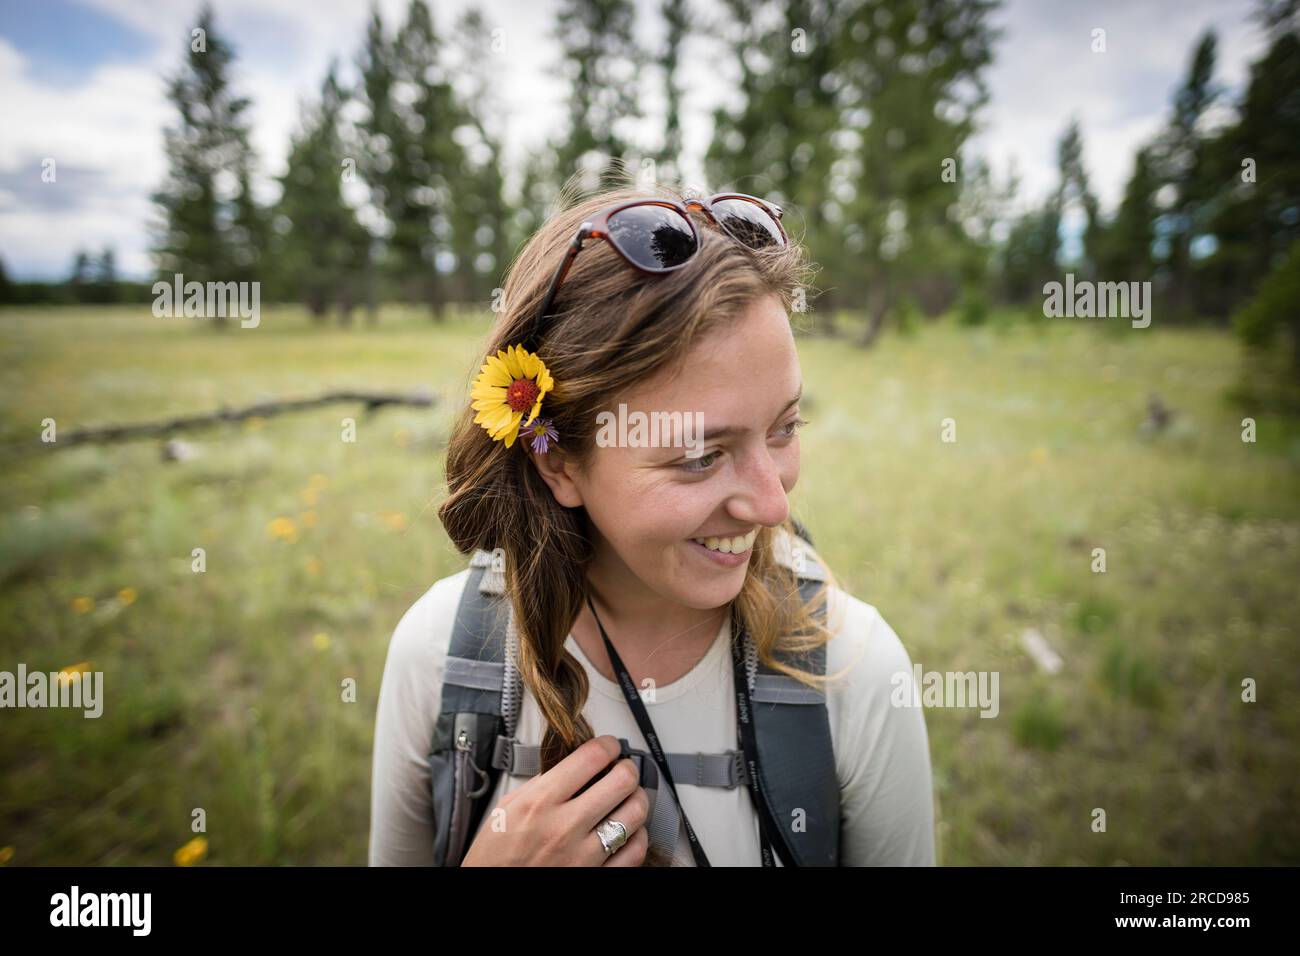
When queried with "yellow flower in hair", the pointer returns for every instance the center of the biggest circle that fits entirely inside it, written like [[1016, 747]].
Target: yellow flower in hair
[[510, 385]]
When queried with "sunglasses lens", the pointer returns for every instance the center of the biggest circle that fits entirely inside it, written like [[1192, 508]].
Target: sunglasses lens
[[749, 222], [656, 238]]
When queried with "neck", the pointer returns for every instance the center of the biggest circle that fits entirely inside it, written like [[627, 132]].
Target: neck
[[638, 620]]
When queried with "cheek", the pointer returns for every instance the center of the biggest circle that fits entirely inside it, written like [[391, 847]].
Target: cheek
[[789, 467], [668, 513], [640, 512], [659, 518]]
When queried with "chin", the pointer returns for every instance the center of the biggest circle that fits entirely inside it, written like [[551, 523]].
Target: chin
[[706, 595]]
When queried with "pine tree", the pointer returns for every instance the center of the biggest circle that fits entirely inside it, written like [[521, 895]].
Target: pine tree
[[82, 277], [780, 144], [213, 229], [603, 64], [1255, 168], [323, 250], [911, 84], [1126, 242], [412, 155], [677, 20], [1073, 190], [426, 164], [106, 276], [538, 188], [1179, 155], [1033, 253], [1029, 254], [852, 111], [480, 220]]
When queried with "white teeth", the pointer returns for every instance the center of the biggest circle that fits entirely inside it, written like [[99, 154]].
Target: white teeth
[[736, 545]]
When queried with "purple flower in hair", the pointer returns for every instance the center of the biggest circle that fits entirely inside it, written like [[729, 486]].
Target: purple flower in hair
[[543, 434]]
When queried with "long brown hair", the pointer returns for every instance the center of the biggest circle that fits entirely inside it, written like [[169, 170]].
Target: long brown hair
[[611, 327]]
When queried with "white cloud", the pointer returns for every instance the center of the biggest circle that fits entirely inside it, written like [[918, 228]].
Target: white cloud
[[110, 126], [1046, 73]]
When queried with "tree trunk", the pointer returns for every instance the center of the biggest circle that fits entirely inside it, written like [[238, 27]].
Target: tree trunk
[[435, 306], [372, 304], [824, 323], [877, 310], [317, 305]]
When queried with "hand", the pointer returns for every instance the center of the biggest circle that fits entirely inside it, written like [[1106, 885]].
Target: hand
[[547, 825]]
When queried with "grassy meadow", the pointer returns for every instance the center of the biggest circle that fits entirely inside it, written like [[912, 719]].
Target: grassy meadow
[[223, 688]]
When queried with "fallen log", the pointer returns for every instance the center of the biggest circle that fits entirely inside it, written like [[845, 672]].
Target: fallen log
[[109, 433]]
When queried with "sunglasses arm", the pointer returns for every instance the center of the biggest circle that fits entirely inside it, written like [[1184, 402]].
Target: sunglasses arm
[[571, 253]]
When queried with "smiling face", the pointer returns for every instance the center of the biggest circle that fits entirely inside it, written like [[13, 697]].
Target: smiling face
[[650, 507]]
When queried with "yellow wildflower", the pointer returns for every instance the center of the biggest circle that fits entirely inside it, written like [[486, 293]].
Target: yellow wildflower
[[191, 852], [283, 529]]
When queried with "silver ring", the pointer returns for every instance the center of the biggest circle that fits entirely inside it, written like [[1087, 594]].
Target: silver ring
[[612, 835]]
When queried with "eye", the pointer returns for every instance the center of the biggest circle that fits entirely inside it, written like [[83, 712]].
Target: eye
[[699, 465], [789, 428]]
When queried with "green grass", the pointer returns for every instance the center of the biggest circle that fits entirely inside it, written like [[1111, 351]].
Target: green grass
[[223, 696]]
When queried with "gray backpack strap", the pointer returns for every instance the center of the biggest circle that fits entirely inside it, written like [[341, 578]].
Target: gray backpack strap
[[793, 732], [725, 770], [462, 775], [476, 654]]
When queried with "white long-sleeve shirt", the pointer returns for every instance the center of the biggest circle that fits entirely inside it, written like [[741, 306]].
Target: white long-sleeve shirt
[[882, 756]]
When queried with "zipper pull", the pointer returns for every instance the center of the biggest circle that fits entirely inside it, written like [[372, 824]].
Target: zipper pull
[[466, 746]]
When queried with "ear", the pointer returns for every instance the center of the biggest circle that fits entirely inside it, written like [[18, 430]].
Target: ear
[[557, 470]]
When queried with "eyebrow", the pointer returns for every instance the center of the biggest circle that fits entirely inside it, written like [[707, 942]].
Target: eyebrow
[[729, 430]]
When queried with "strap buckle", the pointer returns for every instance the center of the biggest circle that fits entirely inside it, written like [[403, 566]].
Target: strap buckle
[[503, 753], [739, 777], [648, 770]]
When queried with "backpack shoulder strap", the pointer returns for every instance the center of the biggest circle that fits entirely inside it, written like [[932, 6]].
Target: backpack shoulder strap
[[470, 718], [792, 729]]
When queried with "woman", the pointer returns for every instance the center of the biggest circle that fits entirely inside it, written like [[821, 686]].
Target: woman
[[646, 573]]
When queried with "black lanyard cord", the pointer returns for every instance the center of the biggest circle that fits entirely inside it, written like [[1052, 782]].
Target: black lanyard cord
[[745, 726], [749, 748]]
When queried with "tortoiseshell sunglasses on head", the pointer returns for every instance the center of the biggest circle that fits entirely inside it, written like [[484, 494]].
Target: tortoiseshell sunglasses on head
[[655, 236]]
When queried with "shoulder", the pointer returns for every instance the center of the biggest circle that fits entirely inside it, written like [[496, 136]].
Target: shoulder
[[866, 662], [864, 654], [401, 814], [411, 687], [420, 640], [864, 648], [882, 753]]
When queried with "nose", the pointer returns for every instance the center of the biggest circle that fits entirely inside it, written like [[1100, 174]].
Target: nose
[[761, 496]]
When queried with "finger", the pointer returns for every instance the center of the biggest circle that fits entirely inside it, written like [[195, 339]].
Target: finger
[[632, 813], [633, 852], [568, 776], [605, 795]]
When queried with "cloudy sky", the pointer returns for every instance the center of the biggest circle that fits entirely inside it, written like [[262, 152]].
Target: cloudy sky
[[83, 83]]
